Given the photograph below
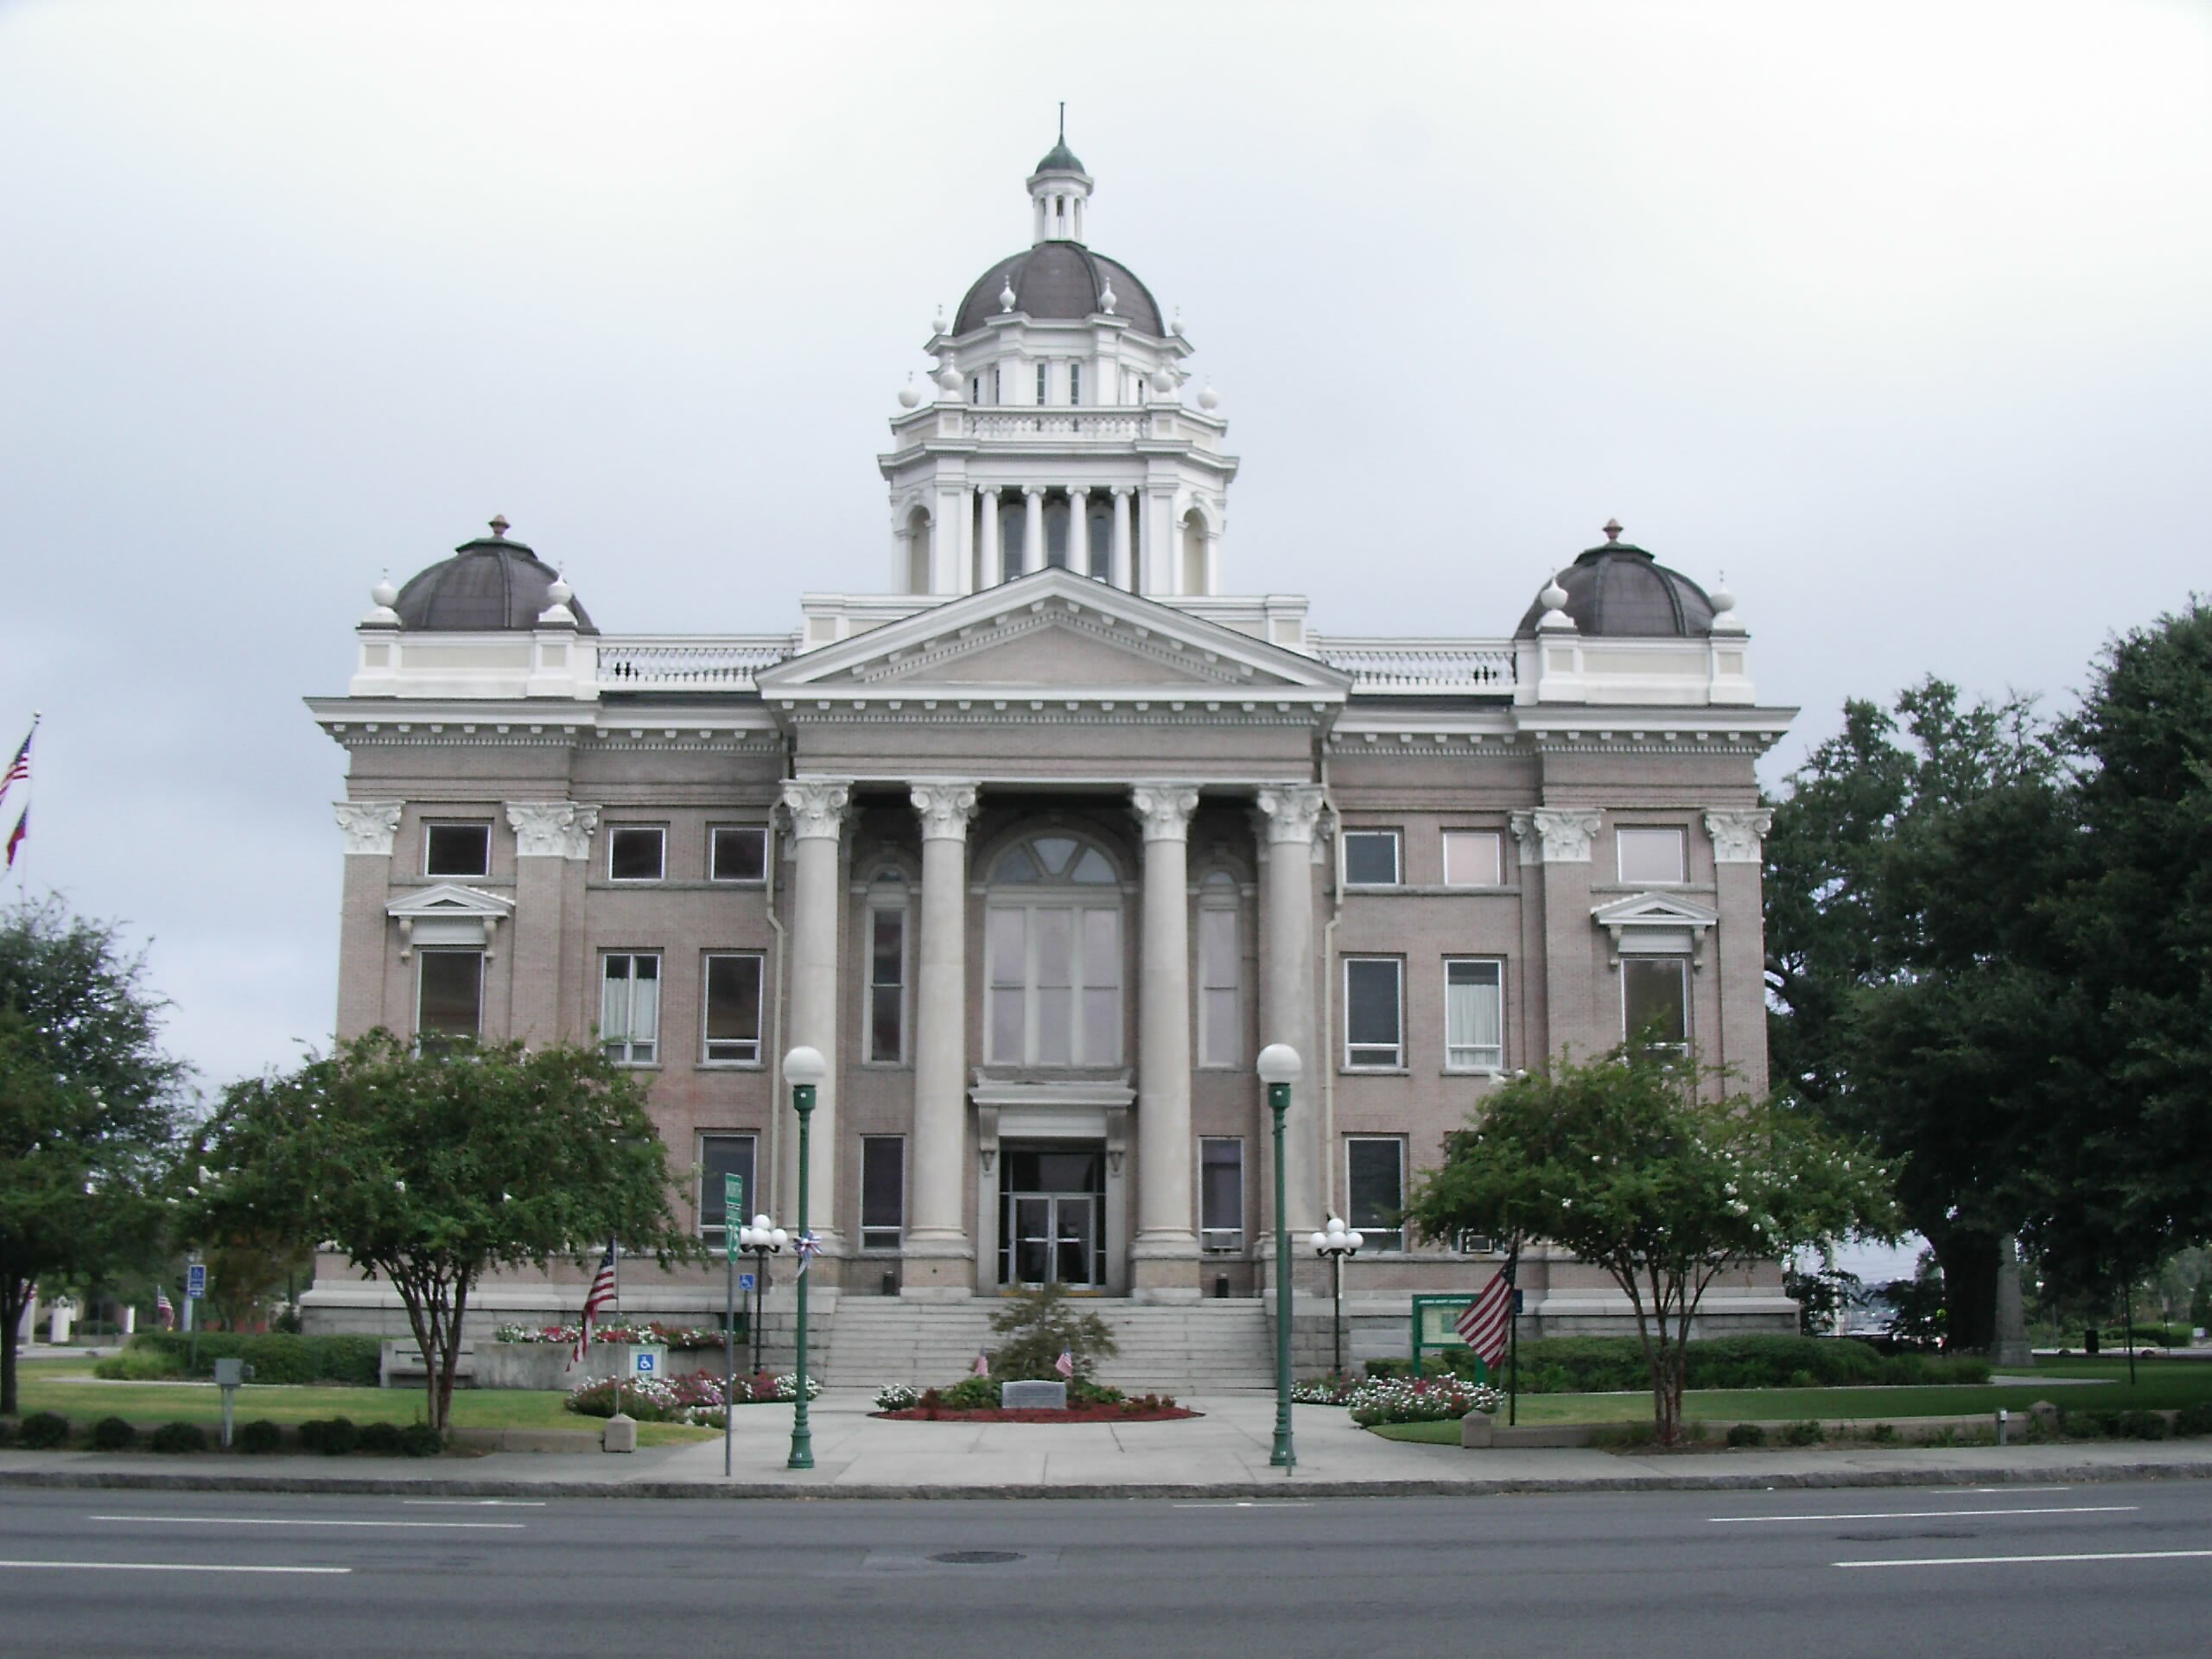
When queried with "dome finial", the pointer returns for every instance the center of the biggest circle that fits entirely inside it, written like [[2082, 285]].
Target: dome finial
[[499, 526], [1612, 530], [1006, 291]]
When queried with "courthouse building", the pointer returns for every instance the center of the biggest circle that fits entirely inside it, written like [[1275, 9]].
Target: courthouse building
[[1042, 843]]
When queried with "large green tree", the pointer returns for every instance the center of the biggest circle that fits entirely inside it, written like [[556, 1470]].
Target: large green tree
[[434, 1169], [1918, 989], [91, 1110], [2127, 1152], [1627, 1163]]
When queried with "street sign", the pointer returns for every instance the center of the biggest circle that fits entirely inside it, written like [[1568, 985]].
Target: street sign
[[645, 1362], [733, 1212], [745, 1281], [195, 1280]]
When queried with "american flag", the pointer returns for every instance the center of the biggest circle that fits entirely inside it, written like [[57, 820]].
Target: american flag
[[19, 769], [1484, 1321], [163, 1309], [1066, 1364], [809, 1247], [16, 836], [983, 1364], [601, 1294]]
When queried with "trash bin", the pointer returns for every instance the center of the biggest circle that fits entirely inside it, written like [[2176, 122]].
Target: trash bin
[[2089, 1341]]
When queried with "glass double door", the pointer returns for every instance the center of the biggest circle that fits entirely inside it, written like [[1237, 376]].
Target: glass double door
[[1051, 1218]]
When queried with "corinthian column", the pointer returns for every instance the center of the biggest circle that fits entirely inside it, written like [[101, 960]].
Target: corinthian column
[[938, 1252], [1164, 1259], [816, 806], [1290, 813]]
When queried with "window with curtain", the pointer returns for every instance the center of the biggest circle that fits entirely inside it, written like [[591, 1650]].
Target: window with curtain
[[1474, 1014], [1650, 856], [1053, 943], [1473, 858], [629, 1008]]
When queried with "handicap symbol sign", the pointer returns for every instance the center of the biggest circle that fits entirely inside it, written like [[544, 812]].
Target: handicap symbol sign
[[645, 1366], [745, 1281]]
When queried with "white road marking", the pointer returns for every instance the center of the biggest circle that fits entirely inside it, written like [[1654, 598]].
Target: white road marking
[[1988, 1491], [1251, 1504], [2008, 1560], [167, 1566], [539, 1502], [263, 1521], [1922, 1514]]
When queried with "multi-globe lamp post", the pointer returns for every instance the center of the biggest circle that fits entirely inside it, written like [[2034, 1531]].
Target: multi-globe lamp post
[[1332, 1244], [1279, 1067], [804, 1069], [763, 1239]]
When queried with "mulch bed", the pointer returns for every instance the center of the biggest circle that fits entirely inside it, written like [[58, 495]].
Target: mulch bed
[[1107, 1413]]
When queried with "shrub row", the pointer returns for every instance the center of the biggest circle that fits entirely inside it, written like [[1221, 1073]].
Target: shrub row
[[349, 1361], [336, 1437], [1610, 1364], [47, 1431]]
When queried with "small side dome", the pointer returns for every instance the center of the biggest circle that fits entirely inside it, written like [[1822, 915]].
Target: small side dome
[[1061, 159], [489, 584], [1619, 589]]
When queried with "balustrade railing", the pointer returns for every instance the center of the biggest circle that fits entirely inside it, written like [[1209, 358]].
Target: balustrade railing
[[1421, 667], [1120, 428], [672, 663]]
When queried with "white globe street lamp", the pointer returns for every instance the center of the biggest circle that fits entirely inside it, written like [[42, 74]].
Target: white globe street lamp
[[1333, 1244]]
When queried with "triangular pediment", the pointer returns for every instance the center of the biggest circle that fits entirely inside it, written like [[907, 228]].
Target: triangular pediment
[[1051, 630], [448, 899], [1655, 910]]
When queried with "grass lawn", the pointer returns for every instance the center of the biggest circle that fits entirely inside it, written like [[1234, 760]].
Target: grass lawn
[[2160, 1385], [67, 1387]]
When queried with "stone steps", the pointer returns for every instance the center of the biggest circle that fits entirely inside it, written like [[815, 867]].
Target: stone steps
[[1199, 1348]]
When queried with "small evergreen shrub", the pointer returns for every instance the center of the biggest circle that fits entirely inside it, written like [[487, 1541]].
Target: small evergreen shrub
[[971, 1393], [1741, 1434], [260, 1437], [2194, 1419], [1883, 1434], [113, 1434], [180, 1437], [381, 1440], [421, 1440], [1807, 1432], [334, 1437], [2143, 1425], [42, 1430]]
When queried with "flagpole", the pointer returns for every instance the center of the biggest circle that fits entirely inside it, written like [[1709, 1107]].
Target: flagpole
[[1512, 1339]]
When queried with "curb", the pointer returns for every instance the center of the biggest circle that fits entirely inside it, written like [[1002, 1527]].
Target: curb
[[196, 1481]]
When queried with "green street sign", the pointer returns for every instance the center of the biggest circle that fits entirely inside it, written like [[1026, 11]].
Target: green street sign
[[733, 1212]]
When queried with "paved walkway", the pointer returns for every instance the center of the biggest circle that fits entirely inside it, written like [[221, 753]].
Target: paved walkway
[[1223, 1453]]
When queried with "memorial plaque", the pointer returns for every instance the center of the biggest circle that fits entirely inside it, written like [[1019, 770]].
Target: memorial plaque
[[1034, 1397]]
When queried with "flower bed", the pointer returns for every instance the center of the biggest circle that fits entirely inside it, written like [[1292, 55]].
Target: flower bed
[[1145, 1408], [697, 1398], [1324, 1391], [650, 1334], [1428, 1400]]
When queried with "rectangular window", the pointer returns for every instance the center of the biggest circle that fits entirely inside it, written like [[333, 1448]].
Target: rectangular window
[[634, 853], [1370, 858], [457, 850], [1221, 1194], [1040, 383], [1055, 976], [1374, 1027], [450, 1004], [1473, 858], [1656, 1000], [1220, 1013], [1650, 856], [733, 1036], [883, 1191], [1075, 383], [1474, 1014], [737, 854], [1374, 1177], [720, 1155], [629, 1008], [886, 986]]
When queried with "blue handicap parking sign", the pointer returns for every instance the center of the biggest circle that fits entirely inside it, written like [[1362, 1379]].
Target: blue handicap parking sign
[[745, 1281], [195, 1280], [646, 1364]]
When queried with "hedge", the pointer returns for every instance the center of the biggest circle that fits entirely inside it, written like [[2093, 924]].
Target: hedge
[[350, 1361], [1611, 1364]]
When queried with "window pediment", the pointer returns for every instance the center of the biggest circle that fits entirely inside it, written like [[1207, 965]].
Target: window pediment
[[448, 914], [1655, 923]]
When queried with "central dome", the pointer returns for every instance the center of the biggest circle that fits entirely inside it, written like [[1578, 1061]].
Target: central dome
[[1059, 282]]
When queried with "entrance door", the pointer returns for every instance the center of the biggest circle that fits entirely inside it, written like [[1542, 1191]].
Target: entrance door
[[1051, 1215]]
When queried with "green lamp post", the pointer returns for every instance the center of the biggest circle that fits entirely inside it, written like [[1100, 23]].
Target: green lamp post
[[1279, 1067], [804, 1067]]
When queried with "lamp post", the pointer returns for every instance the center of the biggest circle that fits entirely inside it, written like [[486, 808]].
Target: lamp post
[[764, 1238], [1332, 1244], [804, 1067], [1279, 1067]]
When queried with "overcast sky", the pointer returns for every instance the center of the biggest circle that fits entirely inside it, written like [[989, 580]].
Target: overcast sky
[[1898, 314]]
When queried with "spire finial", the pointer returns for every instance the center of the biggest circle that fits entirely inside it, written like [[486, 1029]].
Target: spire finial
[[1064, 120], [1612, 530], [499, 525]]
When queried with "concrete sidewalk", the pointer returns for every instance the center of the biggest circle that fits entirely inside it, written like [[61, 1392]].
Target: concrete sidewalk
[[1221, 1454]]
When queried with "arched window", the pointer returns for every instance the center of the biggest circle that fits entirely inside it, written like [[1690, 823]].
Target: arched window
[[1052, 945], [1194, 553], [918, 552]]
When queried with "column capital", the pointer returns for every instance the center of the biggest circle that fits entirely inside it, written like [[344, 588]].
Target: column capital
[[1737, 832], [1165, 809], [1555, 834], [370, 826], [1123, 489], [1035, 489], [945, 806], [552, 828], [817, 806], [1079, 490], [990, 489], [1292, 812]]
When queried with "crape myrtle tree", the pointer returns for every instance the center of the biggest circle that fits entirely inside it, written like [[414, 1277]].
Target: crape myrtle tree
[[91, 1112], [1920, 995], [1663, 1185], [432, 1169]]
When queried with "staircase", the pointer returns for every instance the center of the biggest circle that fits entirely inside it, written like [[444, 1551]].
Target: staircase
[[1210, 1347]]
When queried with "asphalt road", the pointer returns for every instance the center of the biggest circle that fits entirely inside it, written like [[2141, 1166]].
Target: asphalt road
[[2016, 1571]]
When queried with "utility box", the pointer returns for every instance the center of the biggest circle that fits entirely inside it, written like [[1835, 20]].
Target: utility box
[[230, 1373]]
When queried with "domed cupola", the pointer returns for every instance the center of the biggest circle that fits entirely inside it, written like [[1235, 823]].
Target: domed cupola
[[1619, 589], [489, 584]]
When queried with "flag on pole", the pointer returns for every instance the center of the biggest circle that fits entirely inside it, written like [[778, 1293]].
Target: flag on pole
[[164, 1310], [19, 769], [808, 1247], [16, 835], [983, 1364], [1066, 1364], [1484, 1322], [601, 1294]]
